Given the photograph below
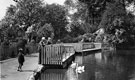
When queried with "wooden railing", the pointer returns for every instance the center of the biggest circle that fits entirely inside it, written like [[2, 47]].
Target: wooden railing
[[81, 46], [56, 54], [107, 47]]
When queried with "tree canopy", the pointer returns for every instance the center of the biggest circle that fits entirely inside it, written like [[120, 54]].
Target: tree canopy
[[27, 13]]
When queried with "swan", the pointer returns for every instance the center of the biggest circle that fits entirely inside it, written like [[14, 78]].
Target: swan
[[78, 69]]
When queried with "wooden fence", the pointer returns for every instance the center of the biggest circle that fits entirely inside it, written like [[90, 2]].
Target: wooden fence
[[81, 46], [107, 47], [56, 54]]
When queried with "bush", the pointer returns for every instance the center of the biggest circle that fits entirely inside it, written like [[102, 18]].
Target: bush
[[8, 50]]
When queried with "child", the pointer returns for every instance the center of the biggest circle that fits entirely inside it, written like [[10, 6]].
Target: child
[[20, 59]]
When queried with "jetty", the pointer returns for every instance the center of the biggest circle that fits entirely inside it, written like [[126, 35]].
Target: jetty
[[63, 54]]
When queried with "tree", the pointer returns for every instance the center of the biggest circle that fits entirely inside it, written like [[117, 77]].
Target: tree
[[76, 29], [80, 15], [55, 15], [20, 16], [118, 22], [28, 12], [94, 9], [45, 31], [112, 13]]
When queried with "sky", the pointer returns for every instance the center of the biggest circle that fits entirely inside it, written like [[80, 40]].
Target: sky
[[6, 3]]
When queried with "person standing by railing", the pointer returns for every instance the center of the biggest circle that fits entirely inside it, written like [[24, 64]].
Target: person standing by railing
[[49, 41], [58, 41], [42, 43]]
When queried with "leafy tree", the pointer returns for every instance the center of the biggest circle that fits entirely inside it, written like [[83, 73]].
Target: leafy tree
[[112, 13], [81, 15], [22, 15], [28, 12], [55, 15], [76, 29], [45, 31], [117, 22]]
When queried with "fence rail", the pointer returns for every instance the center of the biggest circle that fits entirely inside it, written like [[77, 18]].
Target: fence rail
[[56, 54], [108, 47], [81, 46]]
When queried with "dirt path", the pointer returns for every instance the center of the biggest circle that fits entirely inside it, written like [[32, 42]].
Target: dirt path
[[8, 68]]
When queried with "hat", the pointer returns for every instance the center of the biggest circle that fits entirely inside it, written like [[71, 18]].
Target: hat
[[49, 38], [20, 49], [43, 38]]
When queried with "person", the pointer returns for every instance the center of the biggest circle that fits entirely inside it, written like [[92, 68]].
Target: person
[[20, 59], [59, 41], [42, 43], [90, 39], [49, 41], [82, 40], [105, 39]]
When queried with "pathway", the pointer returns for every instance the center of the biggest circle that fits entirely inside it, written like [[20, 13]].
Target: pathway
[[8, 68]]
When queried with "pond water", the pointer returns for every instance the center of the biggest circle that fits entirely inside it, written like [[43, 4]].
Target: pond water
[[98, 66]]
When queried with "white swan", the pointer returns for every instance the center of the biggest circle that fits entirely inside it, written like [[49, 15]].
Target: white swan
[[78, 69]]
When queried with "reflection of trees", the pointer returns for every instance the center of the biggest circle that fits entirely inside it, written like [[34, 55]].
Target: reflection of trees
[[71, 74], [90, 65], [52, 74], [117, 68]]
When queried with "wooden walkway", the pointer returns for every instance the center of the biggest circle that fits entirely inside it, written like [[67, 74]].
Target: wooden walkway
[[60, 54]]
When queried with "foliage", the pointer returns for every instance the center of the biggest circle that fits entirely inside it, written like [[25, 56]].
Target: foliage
[[28, 12], [95, 9], [34, 13], [45, 31], [20, 16], [76, 29], [55, 15], [67, 39], [81, 16], [113, 11]]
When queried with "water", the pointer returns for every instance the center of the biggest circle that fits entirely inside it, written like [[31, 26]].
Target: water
[[98, 66]]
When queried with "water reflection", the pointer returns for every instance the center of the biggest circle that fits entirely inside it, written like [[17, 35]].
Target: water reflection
[[98, 66]]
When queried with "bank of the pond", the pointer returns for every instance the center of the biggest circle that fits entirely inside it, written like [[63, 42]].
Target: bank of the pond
[[36, 73]]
